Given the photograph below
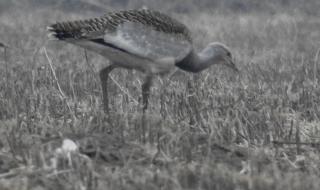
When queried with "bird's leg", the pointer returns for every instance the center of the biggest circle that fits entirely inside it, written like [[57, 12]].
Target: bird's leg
[[146, 92], [104, 74], [145, 99]]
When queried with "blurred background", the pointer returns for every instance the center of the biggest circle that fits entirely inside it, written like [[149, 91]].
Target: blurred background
[[177, 6]]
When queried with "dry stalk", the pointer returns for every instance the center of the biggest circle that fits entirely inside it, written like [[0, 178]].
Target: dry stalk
[[62, 96]]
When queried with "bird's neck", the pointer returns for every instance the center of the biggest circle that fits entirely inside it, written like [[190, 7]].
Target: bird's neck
[[196, 62]]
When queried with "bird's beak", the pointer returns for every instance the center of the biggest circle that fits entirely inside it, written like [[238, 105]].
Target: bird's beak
[[230, 63]]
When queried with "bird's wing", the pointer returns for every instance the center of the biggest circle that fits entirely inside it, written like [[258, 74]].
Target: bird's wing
[[145, 33], [144, 41]]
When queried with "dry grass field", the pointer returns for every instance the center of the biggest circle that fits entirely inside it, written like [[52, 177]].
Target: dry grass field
[[257, 130]]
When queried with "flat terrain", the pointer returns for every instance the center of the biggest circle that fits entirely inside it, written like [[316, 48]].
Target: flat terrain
[[256, 130]]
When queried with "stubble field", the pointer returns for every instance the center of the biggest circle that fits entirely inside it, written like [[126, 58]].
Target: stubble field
[[258, 129]]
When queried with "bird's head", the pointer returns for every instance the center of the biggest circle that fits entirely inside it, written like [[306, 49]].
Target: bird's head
[[222, 55]]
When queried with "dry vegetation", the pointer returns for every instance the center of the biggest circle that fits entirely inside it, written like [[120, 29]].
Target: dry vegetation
[[216, 130]]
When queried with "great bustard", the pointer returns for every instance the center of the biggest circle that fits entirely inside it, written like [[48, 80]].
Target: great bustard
[[145, 40]]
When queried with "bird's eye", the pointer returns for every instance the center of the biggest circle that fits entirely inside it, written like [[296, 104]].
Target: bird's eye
[[229, 54]]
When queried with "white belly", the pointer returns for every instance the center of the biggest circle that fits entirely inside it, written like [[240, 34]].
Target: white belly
[[128, 60]]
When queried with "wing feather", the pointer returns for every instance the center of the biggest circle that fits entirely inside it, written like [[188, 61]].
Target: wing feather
[[144, 33], [146, 42]]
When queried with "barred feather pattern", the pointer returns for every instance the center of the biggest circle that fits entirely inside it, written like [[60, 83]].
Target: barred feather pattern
[[91, 28]]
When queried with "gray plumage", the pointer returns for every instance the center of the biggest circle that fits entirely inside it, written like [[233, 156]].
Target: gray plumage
[[145, 40]]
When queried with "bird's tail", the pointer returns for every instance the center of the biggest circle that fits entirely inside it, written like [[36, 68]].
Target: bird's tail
[[64, 30], [79, 29]]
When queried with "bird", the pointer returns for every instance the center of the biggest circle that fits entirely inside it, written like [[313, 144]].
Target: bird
[[142, 39]]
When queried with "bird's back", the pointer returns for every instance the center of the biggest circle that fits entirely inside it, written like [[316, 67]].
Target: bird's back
[[91, 28]]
